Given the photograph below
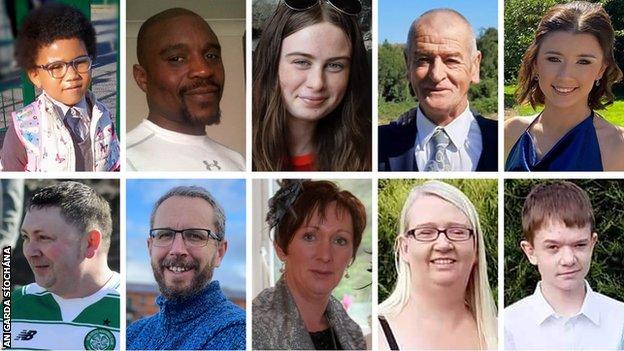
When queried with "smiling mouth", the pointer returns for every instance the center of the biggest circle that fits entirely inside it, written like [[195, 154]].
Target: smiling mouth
[[73, 87], [563, 91], [321, 272], [178, 269], [566, 274], [443, 261], [312, 101]]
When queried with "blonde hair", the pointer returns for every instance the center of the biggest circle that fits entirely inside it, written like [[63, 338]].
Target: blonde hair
[[478, 294]]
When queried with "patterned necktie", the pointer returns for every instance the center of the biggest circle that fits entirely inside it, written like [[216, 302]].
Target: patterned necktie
[[439, 161], [77, 124]]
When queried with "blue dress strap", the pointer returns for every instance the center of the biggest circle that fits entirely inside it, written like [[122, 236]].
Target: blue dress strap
[[577, 150]]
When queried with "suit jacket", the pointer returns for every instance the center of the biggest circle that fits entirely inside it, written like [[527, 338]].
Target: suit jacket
[[396, 145]]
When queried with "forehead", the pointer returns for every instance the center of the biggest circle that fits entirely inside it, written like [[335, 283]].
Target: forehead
[[187, 30], [322, 40], [61, 50], [333, 215], [435, 210], [179, 212], [46, 219], [441, 33], [559, 42], [556, 230]]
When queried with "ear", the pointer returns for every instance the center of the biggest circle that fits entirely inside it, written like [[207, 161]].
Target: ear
[[280, 253], [33, 75], [594, 239], [140, 76], [476, 68], [402, 244], [220, 253], [94, 239], [149, 245], [529, 251], [602, 71]]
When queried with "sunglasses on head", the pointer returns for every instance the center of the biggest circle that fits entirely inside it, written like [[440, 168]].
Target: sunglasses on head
[[348, 7]]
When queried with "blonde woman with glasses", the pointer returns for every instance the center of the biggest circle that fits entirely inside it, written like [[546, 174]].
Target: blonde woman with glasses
[[442, 285]]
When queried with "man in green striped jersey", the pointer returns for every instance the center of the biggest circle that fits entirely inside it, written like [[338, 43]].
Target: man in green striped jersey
[[74, 301]]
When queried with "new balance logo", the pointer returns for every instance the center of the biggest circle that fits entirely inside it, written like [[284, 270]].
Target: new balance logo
[[26, 335]]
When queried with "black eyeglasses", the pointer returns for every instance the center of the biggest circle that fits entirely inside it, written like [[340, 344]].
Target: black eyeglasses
[[349, 7], [58, 69], [164, 237], [428, 234]]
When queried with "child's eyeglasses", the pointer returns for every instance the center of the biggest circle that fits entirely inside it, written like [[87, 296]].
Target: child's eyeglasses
[[349, 7], [58, 69]]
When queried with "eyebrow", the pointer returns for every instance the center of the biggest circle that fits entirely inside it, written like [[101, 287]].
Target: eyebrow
[[180, 46], [550, 241], [560, 54], [296, 53]]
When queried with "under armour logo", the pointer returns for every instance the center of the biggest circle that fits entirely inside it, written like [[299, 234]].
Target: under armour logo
[[26, 335], [209, 166]]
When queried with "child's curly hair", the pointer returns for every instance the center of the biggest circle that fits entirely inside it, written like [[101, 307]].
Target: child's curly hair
[[48, 23]]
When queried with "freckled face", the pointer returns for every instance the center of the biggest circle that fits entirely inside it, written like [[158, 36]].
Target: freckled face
[[314, 71]]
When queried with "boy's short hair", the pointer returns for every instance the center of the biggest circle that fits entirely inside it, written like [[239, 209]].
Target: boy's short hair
[[560, 201], [48, 23]]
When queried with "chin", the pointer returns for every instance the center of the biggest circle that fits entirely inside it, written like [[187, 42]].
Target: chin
[[203, 117]]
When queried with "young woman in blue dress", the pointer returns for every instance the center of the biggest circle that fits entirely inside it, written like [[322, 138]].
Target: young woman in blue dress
[[570, 69]]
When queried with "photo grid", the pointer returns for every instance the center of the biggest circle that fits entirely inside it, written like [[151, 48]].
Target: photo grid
[[342, 174]]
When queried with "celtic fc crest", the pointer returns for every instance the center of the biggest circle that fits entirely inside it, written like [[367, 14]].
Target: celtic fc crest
[[99, 339]]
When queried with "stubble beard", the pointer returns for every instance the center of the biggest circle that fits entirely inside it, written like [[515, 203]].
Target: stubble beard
[[198, 283]]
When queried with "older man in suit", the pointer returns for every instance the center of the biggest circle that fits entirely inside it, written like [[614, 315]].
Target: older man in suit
[[441, 134]]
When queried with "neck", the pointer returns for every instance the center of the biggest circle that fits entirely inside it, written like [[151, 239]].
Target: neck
[[445, 117], [300, 137], [565, 302], [179, 126], [559, 120], [442, 303], [311, 307], [89, 283]]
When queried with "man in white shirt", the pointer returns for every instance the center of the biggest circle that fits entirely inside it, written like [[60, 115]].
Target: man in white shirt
[[564, 313], [441, 134], [181, 72]]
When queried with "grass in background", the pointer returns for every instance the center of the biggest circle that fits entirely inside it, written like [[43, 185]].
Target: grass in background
[[614, 113]]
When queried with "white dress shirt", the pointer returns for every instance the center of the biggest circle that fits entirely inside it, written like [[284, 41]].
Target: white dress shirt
[[466, 144], [532, 324]]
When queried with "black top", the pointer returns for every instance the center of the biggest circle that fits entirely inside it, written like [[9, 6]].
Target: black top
[[325, 340], [388, 333]]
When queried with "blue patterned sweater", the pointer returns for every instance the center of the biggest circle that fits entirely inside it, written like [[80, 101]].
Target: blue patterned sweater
[[207, 320]]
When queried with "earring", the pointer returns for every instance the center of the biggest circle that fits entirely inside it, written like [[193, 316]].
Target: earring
[[347, 274], [536, 77], [597, 82]]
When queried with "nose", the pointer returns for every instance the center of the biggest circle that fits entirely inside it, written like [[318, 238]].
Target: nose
[[200, 67], [72, 73], [324, 251], [31, 249], [437, 70], [178, 247], [567, 257], [316, 79], [442, 243], [564, 70]]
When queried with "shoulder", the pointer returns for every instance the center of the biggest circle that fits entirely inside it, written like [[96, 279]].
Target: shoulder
[[402, 125], [609, 304], [518, 310], [346, 325], [514, 127], [485, 122], [264, 303], [138, 134], [225, 151], [139, 330], [611, 141]]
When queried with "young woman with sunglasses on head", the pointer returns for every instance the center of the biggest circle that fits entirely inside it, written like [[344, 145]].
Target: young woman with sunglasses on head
[[312, 89]]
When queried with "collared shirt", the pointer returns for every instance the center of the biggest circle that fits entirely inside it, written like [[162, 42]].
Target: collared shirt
[[62, 109], [466, 143], [532, 324]]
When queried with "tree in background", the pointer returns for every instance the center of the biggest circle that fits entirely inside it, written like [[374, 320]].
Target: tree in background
[[392, 193], [393, 83], [607, 268]]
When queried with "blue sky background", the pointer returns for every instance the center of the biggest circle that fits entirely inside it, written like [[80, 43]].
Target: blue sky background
[[396, 16], [141, 194]]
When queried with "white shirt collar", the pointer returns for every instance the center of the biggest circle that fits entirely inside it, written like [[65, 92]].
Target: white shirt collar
[[457, 130], [543, 310], [81, 106]]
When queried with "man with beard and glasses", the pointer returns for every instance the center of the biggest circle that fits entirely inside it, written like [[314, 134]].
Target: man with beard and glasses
[[181, 72], [194, 314]]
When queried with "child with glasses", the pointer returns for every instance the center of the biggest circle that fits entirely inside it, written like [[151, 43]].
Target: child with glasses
[[65, 128]]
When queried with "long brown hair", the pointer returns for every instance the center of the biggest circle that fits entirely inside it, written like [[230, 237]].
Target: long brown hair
[[575, 17], [343, 137]]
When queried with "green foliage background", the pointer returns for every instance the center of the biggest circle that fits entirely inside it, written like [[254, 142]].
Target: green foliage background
[[606, 275], [392, 193], [522, 17], [394, 91]]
